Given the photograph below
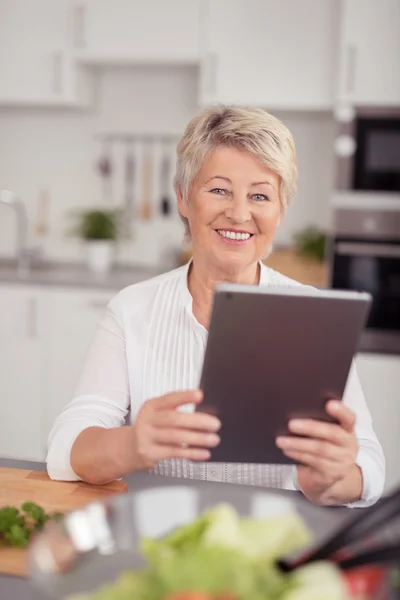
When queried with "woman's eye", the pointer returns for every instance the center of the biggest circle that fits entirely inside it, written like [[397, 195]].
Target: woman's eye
[[219, 191], [260, 197]]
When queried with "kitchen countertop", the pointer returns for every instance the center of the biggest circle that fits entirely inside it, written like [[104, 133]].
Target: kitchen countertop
[[75, 275], [68, 274], [322, 520]]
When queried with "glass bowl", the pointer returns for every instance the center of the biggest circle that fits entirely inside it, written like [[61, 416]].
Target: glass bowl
[[93, 545]]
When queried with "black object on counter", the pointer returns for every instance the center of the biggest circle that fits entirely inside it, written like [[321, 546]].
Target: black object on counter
[[369, 521]]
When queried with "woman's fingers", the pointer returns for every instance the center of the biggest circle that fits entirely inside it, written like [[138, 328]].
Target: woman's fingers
[[176, 399], [319, 429], [185, 437], [179, 420], [341, 412], [313, 461], [168, 452], [315, 447], [338, 434]]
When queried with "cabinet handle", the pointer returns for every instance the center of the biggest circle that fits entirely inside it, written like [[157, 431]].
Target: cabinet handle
[[57, 73], [351, 68], [212, 74], [32, 319], [79, 26], [364, 249]]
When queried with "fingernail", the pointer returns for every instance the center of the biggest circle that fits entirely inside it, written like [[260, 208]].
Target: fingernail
[[296, 425], [215, 425], [334, 404], [198, 395], [281, 442], [213, 440]]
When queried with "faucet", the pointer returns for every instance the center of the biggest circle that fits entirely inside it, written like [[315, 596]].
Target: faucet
[[23, 254]]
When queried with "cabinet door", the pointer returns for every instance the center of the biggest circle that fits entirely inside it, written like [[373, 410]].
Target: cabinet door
[[369, 68], [133, 30], [71, 321], [32, 50], [20, 374], [380, 380], [274, 53]]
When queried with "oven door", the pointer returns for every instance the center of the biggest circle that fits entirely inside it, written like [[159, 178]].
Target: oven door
[[373, 267]]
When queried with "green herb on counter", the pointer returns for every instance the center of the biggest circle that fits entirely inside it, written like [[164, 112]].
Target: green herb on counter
[[312, 242], [17, 525], [97, 224]]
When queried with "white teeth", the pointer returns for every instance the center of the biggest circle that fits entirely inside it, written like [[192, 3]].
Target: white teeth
[[232, 235]]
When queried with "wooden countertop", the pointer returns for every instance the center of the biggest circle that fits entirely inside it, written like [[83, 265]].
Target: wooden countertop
[[296, 266], [18, 486], [291, 263]]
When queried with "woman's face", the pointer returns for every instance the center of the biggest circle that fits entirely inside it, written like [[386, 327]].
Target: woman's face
[[233, 209]]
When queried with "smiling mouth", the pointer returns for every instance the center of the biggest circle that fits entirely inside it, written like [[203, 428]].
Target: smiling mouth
[[239, 236]]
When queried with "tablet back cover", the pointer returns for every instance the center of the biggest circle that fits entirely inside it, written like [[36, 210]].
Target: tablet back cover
[[271, 357]]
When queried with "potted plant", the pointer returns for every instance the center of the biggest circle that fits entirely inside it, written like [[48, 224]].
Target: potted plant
[[99, 229], [312, 242]]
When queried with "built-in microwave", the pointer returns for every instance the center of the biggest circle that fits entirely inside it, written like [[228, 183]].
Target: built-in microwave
[[365, 256], [367, 150]]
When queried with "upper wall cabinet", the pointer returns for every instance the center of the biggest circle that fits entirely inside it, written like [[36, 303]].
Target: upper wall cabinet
[[35, 62], [369, 62], [280, 54], [151, 31]]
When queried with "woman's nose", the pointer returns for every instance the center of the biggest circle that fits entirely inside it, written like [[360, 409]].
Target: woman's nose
[[238, 211]]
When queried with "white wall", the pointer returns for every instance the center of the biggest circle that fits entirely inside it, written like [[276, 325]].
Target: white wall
[[57, 150]]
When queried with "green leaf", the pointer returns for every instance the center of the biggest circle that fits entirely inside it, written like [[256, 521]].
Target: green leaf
[[9, 516], [17, 536], [36, 512]]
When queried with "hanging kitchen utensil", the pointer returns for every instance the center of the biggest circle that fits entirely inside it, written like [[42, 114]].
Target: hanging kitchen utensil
[[146, 208], [165, 204], [129, 191], [105, 168], [42, 222]]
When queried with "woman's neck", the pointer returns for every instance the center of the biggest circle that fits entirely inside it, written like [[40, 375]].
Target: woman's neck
[[202, 280]]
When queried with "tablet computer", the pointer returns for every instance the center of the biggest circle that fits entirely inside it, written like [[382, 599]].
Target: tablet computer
[[273, 354]]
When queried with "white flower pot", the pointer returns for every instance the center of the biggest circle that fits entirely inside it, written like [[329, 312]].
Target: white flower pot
[[100, 255]]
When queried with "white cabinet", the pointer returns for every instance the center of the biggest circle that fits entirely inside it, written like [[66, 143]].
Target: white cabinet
[[369, 61], [20, 374], [137, 31], [44, 336], [279, 54], [71, 321], [380, 380], [36, 67]]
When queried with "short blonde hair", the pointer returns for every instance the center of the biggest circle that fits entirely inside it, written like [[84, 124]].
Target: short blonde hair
[[250, 129]]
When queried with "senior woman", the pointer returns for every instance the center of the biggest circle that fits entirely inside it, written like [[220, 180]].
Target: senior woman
[[236, 174]]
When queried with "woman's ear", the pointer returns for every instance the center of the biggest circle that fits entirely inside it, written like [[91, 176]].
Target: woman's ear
[[182, 206]]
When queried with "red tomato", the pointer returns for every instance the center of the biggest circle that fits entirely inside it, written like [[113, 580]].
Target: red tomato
[[365, 582]]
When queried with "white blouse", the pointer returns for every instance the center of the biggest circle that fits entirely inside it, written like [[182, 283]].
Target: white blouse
[[148, 344]]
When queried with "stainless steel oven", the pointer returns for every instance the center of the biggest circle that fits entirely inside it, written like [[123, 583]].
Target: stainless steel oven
[[367, 149], [365, 256]]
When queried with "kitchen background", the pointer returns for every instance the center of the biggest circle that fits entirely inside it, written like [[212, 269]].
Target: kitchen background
[[94, 95]]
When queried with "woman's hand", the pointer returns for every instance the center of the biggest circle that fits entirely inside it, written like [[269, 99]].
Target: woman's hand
[[162, 432], [328, 473]]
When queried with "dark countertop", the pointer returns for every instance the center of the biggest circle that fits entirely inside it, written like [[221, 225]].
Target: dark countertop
[[61, 274], [321, 520]]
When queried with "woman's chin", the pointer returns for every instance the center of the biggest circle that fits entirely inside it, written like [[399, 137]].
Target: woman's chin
[[234, 261]]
